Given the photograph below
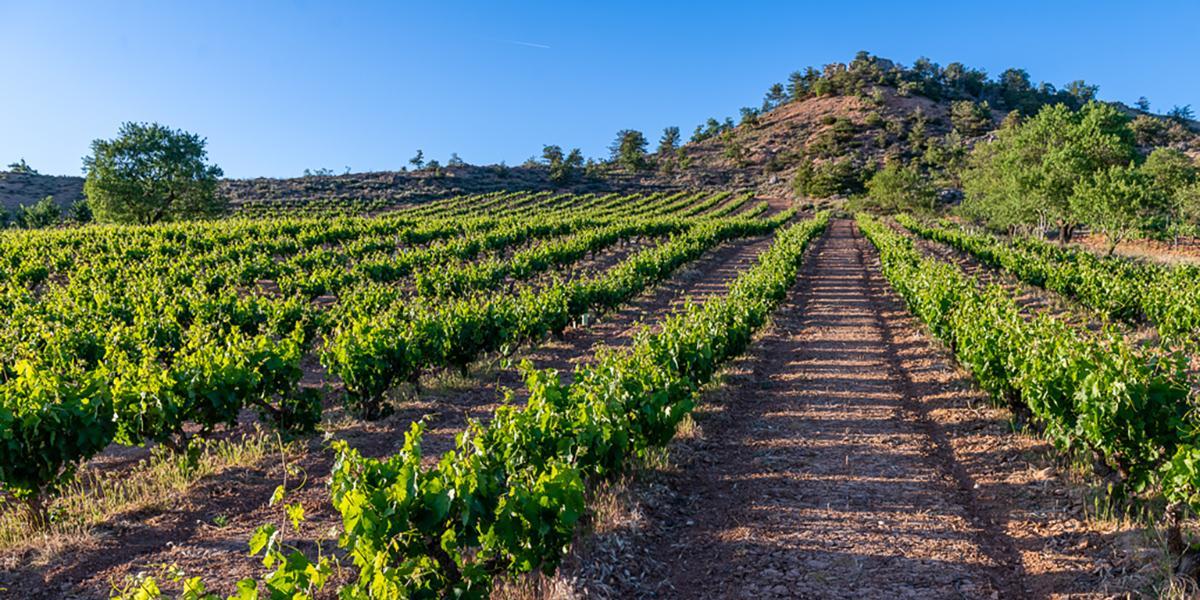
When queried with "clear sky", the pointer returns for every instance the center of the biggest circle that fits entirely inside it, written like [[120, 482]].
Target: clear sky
[[278, 87]]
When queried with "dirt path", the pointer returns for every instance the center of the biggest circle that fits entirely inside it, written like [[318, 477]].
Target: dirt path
[[711, 274], [845, 458], [184, 533]]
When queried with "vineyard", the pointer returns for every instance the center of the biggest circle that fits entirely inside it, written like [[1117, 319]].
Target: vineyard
[[467, 398]]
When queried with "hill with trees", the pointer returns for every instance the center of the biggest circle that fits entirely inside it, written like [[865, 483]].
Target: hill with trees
[[827, 131], [823, 133]]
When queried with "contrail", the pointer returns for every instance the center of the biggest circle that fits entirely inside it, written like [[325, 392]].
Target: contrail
[[520, 43]]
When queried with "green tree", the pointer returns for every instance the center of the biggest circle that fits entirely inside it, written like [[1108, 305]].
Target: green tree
[[43, 213], [1181, 113], [1170, 170], [151, 173], [80, 212], [1026, 176], [828, 178], [1082, 91], [1114, 202], [970, 119], [629, 149], [898, 187], [418, 160], [1149, 131], [1188, 201], [918, 129], [1017, 91], [1142, 104], [749, 116], [733, 149], [1172, 174], [669, 142], [22, 167], [563, 167], [776, 97], [947, 156]]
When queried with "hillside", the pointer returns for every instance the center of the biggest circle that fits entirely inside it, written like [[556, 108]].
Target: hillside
[[822, 128], [837, 125], [386, 187], [864, 130], [18, 189]]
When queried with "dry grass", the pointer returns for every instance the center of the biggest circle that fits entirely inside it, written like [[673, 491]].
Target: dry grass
[[535, 587], [1180, 588], [97, 496]]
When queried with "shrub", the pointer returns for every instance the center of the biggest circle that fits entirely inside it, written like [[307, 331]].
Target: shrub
[[44, 213], [829, 178]]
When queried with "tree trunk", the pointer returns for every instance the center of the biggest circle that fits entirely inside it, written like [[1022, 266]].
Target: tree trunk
[[1174, 533], [1064, 233]]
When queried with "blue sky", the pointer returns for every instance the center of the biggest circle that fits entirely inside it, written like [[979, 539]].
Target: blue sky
[[278, 87]]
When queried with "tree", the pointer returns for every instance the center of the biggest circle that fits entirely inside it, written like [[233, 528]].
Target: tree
[[669, 142], [917, 130], [898, 187], [418, 161], [43, 213], [151, 173], [1115, 202], [776, 97], [1169, 169], [80, 212], [455, 161], [563, 168], [970, 119], [828, 178], [1149, 131], [1081, 91], [22, 167], [749, 116], [1017, 91], [947, 155], [1142, 104], [1027, 175], [1171, 173], [629, 149], [1188, 201], [733, 149], [1181, 113]]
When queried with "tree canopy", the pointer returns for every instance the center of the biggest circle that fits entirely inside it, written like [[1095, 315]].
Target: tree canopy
[[898, 187], [564, 168], [629, 149], [22, 167], [151, 173], [1027, 175]]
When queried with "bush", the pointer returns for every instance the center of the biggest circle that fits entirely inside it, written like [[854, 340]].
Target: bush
[[829, 178], [970, 119], [44, 213], [80, 212]]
